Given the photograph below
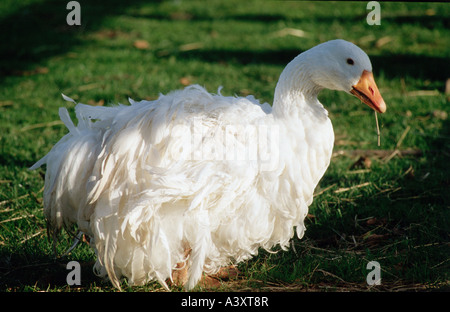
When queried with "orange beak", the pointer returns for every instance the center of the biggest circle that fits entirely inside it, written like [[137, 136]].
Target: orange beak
[[367, 91]]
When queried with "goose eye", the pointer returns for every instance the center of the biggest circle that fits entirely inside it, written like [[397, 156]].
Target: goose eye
[[350, 61]]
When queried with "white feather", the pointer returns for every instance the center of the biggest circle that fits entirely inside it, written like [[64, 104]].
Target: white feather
[[221, 175]]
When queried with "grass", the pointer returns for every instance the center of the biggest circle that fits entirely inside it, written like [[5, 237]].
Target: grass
[[394, 210]]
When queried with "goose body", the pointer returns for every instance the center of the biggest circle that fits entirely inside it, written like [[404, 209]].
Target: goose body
[[218, 176]]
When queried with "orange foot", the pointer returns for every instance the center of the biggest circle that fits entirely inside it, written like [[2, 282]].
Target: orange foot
[[180, 276], [224, 274]]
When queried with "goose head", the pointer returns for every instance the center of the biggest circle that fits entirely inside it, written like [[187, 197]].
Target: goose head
[[341, 65], [336, 65]]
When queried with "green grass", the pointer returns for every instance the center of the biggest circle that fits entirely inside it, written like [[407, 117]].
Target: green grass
[[400, 218]]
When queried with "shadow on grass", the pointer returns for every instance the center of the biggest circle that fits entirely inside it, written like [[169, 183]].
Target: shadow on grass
[[38, 31], [31, 267], [439, 19], [17, 274], [393, 66]]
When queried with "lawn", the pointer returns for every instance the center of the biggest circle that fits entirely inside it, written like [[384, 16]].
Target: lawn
[[387, 203]]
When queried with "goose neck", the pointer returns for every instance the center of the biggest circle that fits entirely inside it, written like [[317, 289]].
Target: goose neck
[[296, 93]]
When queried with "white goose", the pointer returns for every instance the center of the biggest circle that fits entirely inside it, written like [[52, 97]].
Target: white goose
[[199, 179]]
